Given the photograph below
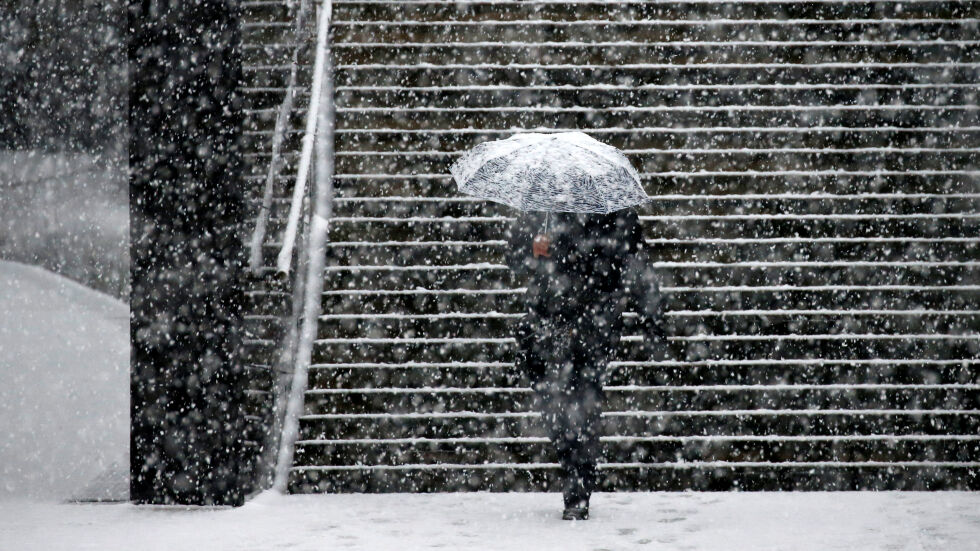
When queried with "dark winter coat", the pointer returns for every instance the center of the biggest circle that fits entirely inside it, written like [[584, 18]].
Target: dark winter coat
[[597, 269]]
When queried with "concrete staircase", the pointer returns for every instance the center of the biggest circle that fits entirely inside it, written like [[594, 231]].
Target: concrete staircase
[[816, 223]]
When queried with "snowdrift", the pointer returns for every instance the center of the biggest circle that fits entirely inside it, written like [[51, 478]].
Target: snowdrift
[[64, 388]]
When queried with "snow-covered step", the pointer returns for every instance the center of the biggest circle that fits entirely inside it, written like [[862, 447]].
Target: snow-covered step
[[760, 297], [665, 449], [644, 74], [570, 117], [661, 398], [641, 154], [688, 373], [681, 203], [732, 324], [834, 137], [720, 347], [853, 179], [631, 52], [486, 228], [748, 422], [893, 249], [676, 476], [693, 160], [837, 11], [771, 97], [828, 181], [719, 274], [492, 23], [969, 174]]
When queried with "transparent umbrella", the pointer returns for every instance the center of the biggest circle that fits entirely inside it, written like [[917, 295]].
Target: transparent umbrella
[[561, 172]]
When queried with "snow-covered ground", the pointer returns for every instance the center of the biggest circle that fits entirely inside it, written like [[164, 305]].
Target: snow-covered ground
[[64, 386], [852, 521], [64, 421]]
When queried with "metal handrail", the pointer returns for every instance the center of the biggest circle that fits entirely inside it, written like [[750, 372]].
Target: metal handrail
[[284, 261], [320, 132], [282, 121]]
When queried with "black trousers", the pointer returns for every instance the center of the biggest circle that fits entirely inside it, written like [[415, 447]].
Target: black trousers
[[565, 361]]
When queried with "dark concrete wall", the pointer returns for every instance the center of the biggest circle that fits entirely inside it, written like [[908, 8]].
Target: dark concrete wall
[[186, 208]]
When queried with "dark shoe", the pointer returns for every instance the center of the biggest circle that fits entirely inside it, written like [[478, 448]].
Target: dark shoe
[[575, 513], [576, 505]]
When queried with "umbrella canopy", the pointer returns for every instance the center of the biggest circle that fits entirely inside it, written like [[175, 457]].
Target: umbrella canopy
[[561, 172]]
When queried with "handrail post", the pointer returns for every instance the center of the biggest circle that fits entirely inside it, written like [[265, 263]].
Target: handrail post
[[319, 227]]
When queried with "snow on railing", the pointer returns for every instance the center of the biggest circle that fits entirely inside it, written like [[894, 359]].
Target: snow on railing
[[282, 121], [320, 132], [284, 261]]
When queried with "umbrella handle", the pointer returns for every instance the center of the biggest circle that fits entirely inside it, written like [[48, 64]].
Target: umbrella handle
[[540, 246]]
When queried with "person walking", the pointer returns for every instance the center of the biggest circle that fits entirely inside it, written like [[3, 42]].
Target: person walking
[[578, 247], [582, 272]]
